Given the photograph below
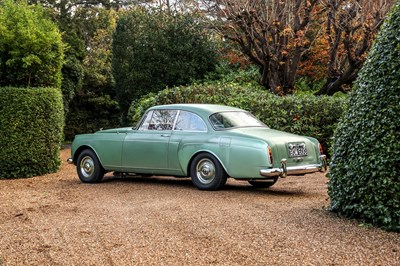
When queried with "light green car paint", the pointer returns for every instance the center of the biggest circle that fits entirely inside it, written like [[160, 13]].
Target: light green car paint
[[242, 151]]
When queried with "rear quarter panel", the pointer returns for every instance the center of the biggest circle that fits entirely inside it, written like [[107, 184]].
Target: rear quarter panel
[[184, 146], [247, 156], [240, 157]]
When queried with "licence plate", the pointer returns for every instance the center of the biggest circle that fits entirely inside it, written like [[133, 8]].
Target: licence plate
[[297, 149]]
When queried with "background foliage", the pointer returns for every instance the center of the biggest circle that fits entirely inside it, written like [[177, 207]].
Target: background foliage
[[31, 122], [93, 105], [305, 115], [365, 172], [152, 50], [31, 49], [88, 114]]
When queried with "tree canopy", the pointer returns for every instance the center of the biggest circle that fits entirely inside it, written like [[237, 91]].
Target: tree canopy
[[152, 50], [280, 37], [31, 48]]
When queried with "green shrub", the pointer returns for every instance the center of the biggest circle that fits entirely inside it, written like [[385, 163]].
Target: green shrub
[[306, 85], [31, 123], [365, 172], [227, 73], [305, 115]]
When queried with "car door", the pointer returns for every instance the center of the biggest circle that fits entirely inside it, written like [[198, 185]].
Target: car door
[[145, 150]]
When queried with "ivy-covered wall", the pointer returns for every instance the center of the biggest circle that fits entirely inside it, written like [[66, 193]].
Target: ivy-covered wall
[[365, 171]]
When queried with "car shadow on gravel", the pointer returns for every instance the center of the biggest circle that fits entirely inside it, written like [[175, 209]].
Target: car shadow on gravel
[[275, 190], [185, 182], [148, 180]]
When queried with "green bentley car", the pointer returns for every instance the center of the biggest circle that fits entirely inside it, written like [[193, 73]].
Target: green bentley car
[[207, 142]]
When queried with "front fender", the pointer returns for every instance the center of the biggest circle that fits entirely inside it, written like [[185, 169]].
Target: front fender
[[107, 147]]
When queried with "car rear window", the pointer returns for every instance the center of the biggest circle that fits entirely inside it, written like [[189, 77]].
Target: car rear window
[[226, 120]]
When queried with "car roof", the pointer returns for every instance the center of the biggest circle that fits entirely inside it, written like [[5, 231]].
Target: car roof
[[204, 109]]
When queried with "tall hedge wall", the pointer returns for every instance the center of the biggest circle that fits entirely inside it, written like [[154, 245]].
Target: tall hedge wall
[[31, 124], [365, 172], [306, 115]]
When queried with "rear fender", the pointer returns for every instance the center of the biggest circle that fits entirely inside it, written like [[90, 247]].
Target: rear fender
[[188, 163]]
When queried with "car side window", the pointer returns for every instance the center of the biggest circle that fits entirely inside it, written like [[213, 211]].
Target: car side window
[[146, 121], [159, 120], [188, 121]]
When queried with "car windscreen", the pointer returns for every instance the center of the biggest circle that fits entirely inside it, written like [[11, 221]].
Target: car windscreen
[[234, 119]]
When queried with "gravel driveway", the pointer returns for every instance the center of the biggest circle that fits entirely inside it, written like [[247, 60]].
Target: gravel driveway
[[57, 220]]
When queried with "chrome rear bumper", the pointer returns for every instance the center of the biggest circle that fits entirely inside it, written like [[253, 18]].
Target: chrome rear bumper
[[70, 161], [295, 170]]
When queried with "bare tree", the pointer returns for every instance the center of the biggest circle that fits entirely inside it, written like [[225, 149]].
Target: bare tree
[[273, 34], [173, 7], [351, 27]]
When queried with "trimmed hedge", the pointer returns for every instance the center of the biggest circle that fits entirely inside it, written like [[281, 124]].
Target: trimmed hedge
[[309, 115], [364, 179], [31, 123]]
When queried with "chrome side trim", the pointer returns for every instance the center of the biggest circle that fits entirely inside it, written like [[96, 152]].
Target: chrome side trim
[[294, 170]]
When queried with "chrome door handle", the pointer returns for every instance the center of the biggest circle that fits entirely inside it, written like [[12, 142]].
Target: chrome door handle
[[165, 135]]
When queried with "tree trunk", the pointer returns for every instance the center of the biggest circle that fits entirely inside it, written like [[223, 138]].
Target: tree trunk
[[331, 86], [335, 84], [264, 81]]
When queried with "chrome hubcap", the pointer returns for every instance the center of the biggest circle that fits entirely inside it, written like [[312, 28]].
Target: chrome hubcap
[[205, 171], [87, 166]]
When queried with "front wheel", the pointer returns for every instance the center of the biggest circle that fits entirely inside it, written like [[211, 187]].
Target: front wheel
[[89, 168], [207, 173]]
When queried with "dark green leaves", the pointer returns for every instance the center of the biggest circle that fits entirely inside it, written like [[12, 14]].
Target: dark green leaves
[[154, 50]]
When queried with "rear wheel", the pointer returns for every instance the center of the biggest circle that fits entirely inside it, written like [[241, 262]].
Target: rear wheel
[[89, 168], [207, 173], [264, 183]]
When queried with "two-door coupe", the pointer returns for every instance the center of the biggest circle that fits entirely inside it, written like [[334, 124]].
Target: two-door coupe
[[207, 142]]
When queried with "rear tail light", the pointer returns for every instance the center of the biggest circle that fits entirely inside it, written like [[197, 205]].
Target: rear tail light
[[321, 150], [270, 155]]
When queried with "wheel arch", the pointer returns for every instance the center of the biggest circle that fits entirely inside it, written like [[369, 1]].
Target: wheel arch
[[209, 152], [82, 148]]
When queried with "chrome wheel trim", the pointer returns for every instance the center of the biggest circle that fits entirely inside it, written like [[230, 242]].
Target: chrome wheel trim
[[87, 166], [205, 171]]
